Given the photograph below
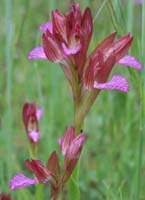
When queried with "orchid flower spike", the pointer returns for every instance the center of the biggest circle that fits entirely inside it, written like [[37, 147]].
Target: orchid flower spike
[[71, 147], [66, 40]]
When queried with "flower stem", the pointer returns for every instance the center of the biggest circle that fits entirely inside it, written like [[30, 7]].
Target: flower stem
[[73, 186], [58, 196], [32, 150], [82, 109]]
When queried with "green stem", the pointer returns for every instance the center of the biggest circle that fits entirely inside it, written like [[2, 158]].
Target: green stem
[[82, 109], [59, 195], [39, 191], [73, 186], [33, 150]]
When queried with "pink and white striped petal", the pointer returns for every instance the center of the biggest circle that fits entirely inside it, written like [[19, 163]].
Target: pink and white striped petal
[[131, 62], [21, 181], [34, 135], [37, 53], [39, 113], [47, 25], [70, 51], [116, 83]]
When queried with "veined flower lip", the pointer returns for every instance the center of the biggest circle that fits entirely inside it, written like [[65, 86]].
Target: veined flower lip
[[46, 26], [20, 181], [116, 83], [37, 53]]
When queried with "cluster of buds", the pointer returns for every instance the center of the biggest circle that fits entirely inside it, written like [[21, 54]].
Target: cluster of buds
[[71, 147]]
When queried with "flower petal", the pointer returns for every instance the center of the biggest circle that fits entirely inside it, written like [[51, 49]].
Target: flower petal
[[68, 51], [59, 25], [51, 48], [72, 155], [103, 44], [116, 83], [20, 181], [34, 135], [87, 27], [66, 140], [131, 62], [39, 113], [40, 171], [120, 47], [53, 164], [47, 25], [37, 53], [59, 141]]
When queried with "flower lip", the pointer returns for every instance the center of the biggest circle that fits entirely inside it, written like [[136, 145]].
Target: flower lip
[[34, 135], [20, 181], [69, 51], [130, 61], [116, 83], [46, 26], [37, 53]]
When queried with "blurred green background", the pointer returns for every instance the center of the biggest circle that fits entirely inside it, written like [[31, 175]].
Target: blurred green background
[[113, 161]]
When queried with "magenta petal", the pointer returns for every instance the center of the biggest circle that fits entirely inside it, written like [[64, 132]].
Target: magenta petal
[[47, 25], [34, 135], [37, 53], [39, 113], [59, 141], [20, 181], [68, 51], [116, 83], [131, 62]]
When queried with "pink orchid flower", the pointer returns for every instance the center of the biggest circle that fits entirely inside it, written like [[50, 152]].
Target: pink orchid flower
[[43, 174], [31, 116], [66, 40], [71, 147]]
